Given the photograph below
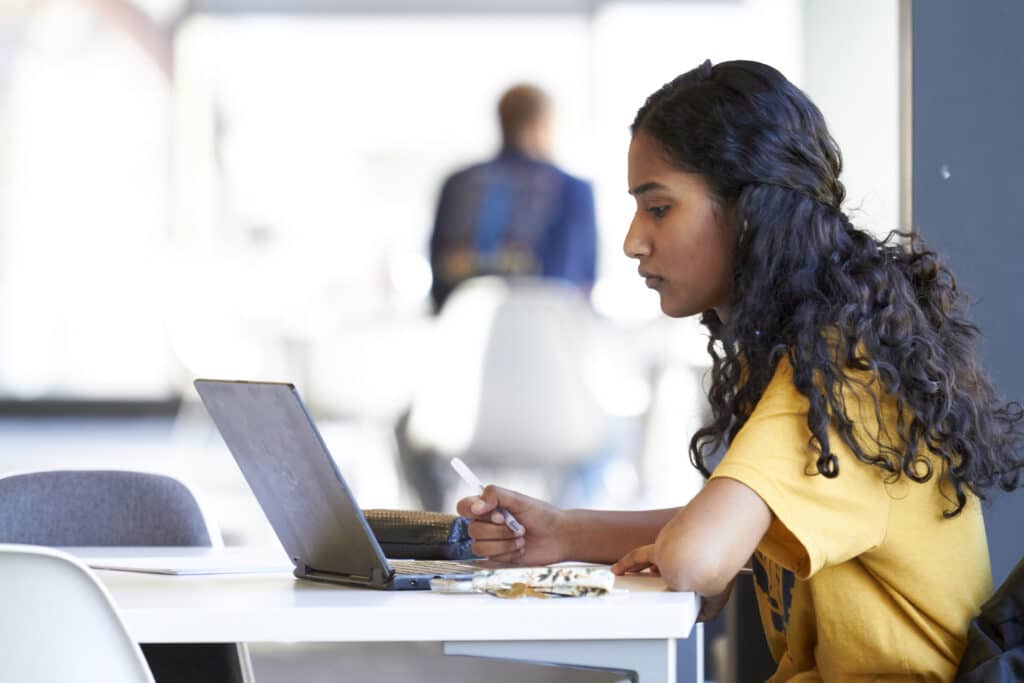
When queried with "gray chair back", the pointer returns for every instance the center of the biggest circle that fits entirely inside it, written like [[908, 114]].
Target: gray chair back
[[99, 508]]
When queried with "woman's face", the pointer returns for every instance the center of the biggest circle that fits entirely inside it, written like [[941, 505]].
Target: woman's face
[[681, 239]]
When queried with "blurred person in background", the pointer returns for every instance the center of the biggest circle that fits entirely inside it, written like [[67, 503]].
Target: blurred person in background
[[517, 214]]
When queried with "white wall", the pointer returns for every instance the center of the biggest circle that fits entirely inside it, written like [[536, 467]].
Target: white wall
[[851, 71]]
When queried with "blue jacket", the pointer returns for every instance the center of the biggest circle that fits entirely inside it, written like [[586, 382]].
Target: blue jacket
[[513, 216]]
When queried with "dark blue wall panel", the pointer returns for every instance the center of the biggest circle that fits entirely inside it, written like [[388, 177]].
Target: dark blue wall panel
[[968, 189]]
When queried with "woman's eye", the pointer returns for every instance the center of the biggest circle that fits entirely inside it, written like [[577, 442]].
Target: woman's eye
[[657, 211]]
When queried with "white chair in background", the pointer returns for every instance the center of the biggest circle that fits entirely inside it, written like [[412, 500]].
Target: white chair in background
[[58, 622], [519, 378]]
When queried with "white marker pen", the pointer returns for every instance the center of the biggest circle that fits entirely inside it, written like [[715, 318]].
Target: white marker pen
[[471, 479]]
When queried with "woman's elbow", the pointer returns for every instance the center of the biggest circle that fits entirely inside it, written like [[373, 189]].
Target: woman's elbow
[[692, 570]]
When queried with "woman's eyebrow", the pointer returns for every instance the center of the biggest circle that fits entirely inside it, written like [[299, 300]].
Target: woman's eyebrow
[[646, 187]]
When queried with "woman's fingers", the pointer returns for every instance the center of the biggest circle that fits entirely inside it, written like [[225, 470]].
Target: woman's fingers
[[490, 531], [474, 506], [491, 535], [495, 496], [513, 557], [500, 549], [495, 541], [711, 606], [636, 560], [622, 568], [490, 499]]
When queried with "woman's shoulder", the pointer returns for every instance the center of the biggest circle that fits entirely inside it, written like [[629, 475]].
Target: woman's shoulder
[[781, 392], [859, 393], [854, 383]]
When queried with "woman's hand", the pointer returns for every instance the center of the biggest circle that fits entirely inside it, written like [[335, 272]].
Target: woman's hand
[[637, 560], [711, 605], [546, 536]]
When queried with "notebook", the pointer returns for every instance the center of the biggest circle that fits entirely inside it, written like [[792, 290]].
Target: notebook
[[182, 560], [283, 458]]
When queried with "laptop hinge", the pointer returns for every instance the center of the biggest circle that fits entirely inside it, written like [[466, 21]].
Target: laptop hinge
[[380, 576], [376, 575], [303, 569]]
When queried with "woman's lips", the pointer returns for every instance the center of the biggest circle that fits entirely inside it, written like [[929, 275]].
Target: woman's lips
[[651, 280]]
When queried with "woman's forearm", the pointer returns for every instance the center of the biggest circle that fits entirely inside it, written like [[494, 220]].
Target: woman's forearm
[[606, 535]]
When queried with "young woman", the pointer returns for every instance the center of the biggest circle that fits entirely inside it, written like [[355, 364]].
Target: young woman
[[859, 431]]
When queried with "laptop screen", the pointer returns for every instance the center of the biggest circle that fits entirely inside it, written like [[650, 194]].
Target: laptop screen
[[286, 463]]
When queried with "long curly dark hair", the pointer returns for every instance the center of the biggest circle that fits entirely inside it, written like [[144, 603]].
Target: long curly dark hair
[[840, 304]]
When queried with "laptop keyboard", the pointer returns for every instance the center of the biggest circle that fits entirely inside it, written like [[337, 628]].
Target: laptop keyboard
[[432, 567]]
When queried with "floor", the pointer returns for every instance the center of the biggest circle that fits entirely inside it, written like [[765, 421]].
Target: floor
[[420, 662]]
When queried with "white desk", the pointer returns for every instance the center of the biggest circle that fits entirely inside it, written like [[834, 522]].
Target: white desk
[[634, 631]]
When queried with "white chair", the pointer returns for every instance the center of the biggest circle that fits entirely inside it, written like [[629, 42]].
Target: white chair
[[518, 378], [58, 623], [122, 508]]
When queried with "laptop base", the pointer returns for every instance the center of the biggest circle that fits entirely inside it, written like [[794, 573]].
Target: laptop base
[[378, 581]]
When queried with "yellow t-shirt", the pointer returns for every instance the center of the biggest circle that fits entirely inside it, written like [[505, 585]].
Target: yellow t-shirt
[[857, 579]]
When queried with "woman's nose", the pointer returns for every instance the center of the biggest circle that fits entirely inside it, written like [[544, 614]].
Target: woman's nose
[[635, 245]]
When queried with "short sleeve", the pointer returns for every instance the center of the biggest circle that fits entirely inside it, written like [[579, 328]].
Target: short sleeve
[[818, 522]]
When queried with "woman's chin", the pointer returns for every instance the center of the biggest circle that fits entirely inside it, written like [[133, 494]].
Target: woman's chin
[[675, 309]]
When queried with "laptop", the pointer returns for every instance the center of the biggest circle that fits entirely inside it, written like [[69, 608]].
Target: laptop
[[295, 480]]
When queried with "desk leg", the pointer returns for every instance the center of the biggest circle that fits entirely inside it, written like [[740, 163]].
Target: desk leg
[[647, 661]]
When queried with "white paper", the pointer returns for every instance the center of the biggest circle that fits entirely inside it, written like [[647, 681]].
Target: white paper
[[185, 561]]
